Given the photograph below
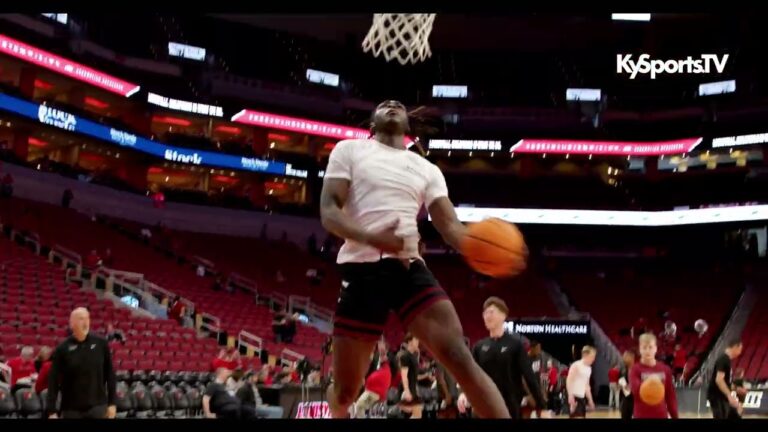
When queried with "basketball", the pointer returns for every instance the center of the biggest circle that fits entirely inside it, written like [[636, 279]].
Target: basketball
[[495, 248], [652, 391]]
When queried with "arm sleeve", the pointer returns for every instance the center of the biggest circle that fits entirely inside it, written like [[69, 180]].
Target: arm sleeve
[[524, 363], [53, 382], [670, 394], [340, 161], [436, 187], [109, 375]]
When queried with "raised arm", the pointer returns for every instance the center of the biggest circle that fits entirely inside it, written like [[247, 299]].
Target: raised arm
[[446, 222]]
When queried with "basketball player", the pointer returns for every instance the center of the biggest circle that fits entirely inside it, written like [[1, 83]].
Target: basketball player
[[408, 360], [649, 369], [82, 374], [577, 384], [627, 402], [503, 357], [724, 404], [528, 406], [372, 192]]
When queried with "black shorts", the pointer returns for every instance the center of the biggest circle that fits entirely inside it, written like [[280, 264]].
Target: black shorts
[[581, 408], [371, 290], [721, 409]]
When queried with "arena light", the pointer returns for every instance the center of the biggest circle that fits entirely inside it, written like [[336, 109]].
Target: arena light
[[185, 106], [583, 94], [58, 17], [171, 121], [449, 91], [43, 85], [631, 17], [740, 140], [228, 129], [34, 142], [67, 121], [608, 148], [716, 88], [186, 51], [320, 77], [294, 124], [470, 145], [96, 103], [616, 218], [44, 59]]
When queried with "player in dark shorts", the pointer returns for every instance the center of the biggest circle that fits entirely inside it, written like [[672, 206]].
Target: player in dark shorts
[[408, 363], [724, 404], [373, 190], [504, 358]]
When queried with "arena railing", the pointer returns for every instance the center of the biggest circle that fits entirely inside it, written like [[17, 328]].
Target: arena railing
[[28, 239], [209, 266], [239, 281], [251, 342], [733, 327], [67, 258], [290, 358], [210, 324], [278, 299], [319, 317]]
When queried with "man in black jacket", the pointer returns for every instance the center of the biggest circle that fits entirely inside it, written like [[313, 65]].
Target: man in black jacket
[[82, 372], [249, 395], [503, 357]]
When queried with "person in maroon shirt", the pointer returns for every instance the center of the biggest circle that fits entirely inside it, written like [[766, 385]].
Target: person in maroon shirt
[[680, 358], [648, 369]]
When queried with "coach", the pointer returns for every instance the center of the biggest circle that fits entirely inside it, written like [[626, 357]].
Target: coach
[[82, 372]]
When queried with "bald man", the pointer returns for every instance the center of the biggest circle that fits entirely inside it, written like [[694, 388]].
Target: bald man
[[82, 372]]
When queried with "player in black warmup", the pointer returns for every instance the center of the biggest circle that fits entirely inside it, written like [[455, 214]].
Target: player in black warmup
[[724, 404], [82, 372], [503, 357]]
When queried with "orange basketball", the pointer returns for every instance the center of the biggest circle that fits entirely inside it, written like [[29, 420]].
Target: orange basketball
[[652, 391], [495, 248]]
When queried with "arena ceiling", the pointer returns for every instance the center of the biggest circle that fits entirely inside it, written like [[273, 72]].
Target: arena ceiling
[[521, 32]]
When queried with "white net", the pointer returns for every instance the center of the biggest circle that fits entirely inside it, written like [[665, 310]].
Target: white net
[[404, 37]]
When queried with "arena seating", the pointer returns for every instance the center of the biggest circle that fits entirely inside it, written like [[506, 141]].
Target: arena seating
[[617, 295], [238, 310], [754, 358], [35, 302]]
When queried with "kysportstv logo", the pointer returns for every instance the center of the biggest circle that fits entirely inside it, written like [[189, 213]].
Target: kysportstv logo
[[691, 65]]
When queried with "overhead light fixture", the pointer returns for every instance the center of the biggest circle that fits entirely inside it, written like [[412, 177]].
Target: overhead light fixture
[[631, 17]]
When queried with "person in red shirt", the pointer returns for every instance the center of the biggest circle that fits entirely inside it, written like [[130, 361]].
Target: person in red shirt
[[22, 368], [650, 369], [376, 385], [680, 358], [552, 385], [613, 385], [227, 359], [176, 312], [93, 260], [44, 360]]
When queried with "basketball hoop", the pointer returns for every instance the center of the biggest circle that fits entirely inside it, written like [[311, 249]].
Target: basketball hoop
[[404, 37]]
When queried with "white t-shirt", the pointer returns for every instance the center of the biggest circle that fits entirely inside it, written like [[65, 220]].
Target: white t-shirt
[[386, 184], [579, 373]]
